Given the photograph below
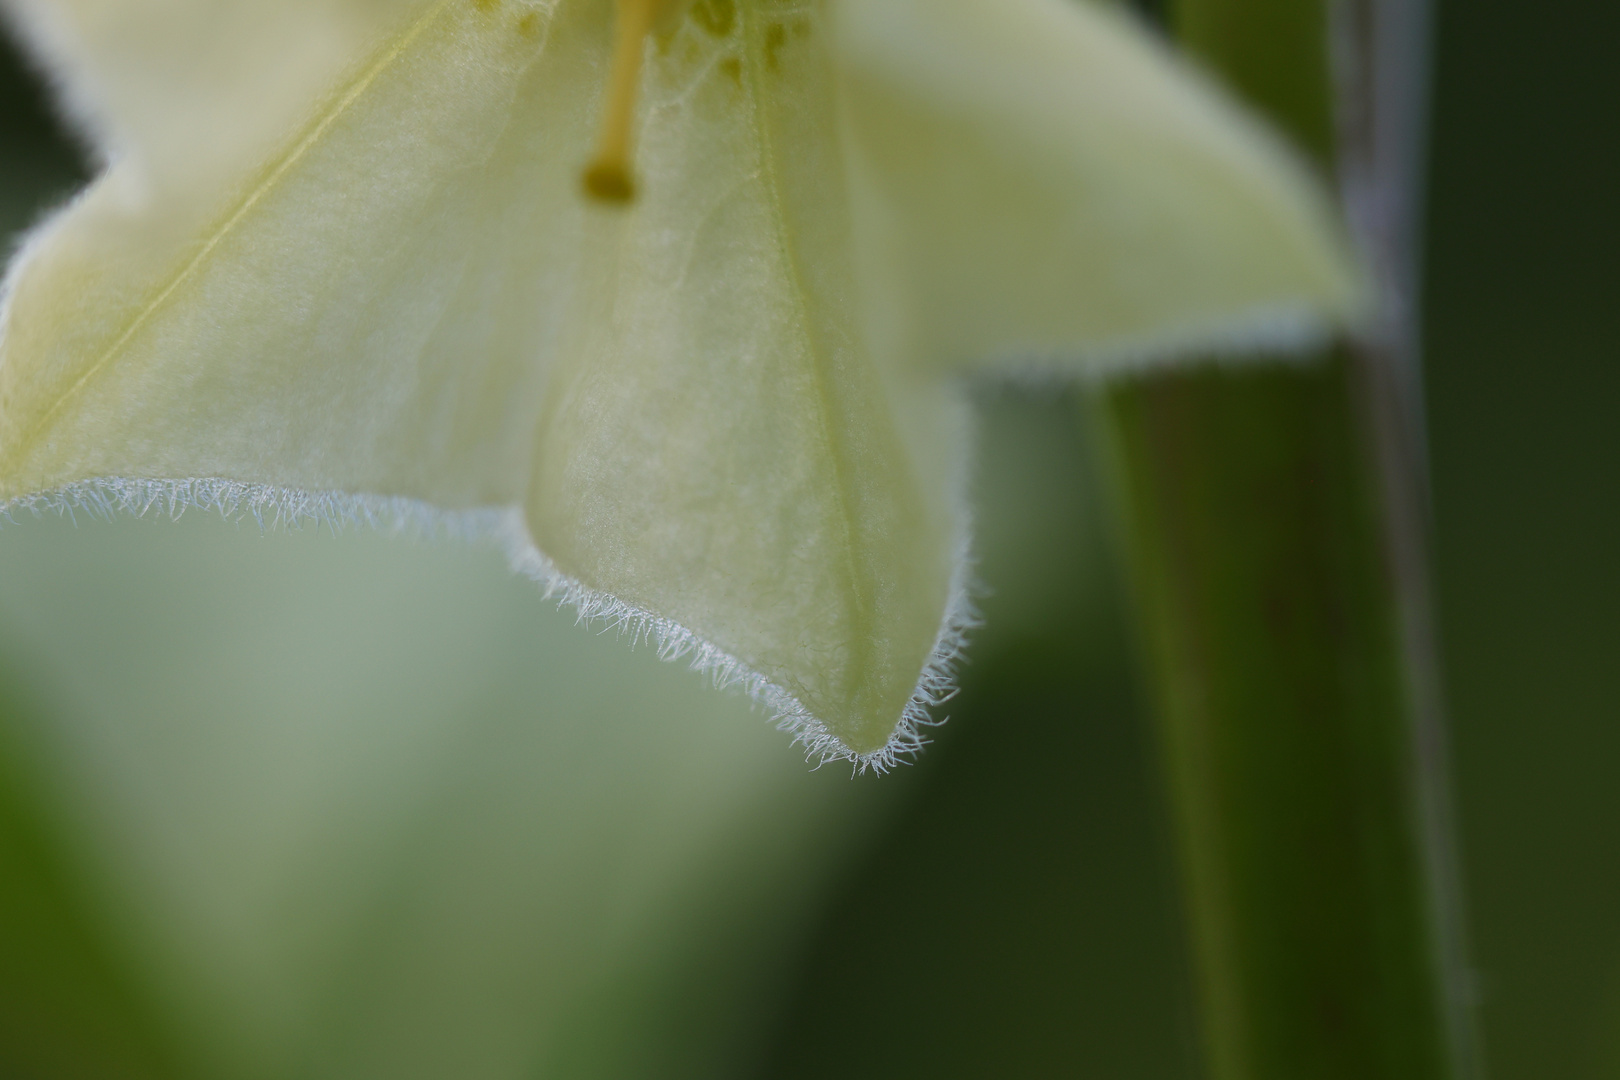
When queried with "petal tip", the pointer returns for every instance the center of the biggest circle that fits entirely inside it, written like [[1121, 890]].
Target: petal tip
[[272, 507], [936, 683]]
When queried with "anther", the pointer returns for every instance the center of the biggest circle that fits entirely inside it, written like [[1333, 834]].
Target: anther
[[608, 177]]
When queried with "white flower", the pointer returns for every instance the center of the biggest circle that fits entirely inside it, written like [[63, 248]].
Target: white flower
[[341, 259]]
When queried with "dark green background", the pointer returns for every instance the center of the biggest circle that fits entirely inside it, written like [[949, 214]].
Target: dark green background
[[1040, 884], [1030, 871]]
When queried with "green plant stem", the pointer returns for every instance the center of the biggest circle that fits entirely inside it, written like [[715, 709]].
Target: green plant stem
[[1277, 569], [1273, 636]]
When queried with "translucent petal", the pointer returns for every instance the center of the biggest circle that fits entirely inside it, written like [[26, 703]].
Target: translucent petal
[[1038, 180], [367, 309], [193, 86], [721, 448]]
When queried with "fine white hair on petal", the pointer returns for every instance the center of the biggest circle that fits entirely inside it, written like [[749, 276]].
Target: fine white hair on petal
[[276, 507], [1282, 334], [269, 507], [935, 685]]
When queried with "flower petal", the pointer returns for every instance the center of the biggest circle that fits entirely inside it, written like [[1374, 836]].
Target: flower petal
[[1039, 181], [721, 448], [146, 77], [365, 310]]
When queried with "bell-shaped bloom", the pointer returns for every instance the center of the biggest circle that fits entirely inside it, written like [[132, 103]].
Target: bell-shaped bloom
[[341, 261]]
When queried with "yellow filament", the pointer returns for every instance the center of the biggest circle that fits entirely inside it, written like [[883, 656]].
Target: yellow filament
[[608, 176]]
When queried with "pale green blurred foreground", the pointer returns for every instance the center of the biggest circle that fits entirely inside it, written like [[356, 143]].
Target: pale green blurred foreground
[[368, 807]]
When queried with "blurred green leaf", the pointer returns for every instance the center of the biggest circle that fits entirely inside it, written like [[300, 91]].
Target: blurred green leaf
[[68, 1006], [368, 808]]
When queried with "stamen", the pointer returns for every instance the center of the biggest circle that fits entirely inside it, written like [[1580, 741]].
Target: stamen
[[608, 177]]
